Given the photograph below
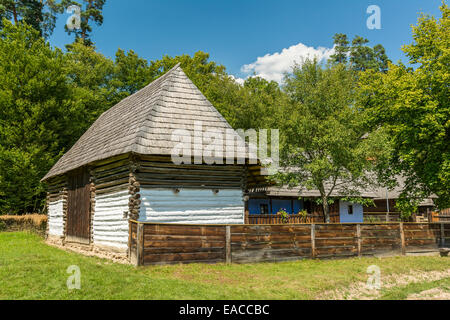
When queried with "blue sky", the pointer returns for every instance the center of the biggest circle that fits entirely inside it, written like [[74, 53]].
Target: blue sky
[[238, 32]]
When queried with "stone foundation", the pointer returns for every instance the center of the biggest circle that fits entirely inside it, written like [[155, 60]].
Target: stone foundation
[[104, 252]]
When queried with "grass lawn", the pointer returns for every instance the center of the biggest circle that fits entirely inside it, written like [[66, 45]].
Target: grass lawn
[[29, 269]]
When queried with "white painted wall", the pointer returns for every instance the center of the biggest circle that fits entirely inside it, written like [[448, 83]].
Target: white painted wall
[[356, 217], [56, 218], [192, 206], [110, 228]]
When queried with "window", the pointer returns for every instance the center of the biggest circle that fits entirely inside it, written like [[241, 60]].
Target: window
[[264, 209], [350, 209]]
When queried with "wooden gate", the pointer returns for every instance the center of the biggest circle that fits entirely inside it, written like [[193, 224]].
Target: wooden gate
[[78, 223]]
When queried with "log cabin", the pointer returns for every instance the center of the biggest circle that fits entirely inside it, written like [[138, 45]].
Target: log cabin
[[123, 169]]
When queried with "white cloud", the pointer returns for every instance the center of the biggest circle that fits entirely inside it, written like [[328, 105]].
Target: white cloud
[[238, 80], [273, 66]]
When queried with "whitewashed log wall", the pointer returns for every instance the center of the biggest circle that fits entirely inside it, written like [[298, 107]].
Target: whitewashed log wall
[[56, 218], [192, 206], [110, 226]]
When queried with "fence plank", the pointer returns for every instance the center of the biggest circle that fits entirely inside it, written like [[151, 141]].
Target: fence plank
[[442, 235], [402, 239], [228, 244], [358, 235], [140, 245]]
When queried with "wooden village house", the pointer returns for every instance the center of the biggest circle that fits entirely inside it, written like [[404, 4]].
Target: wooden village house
[[122, 168]]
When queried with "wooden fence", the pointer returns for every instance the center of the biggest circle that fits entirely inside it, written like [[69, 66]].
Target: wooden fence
[[381, 217], [442, 216], [170, 243], [290, 219]]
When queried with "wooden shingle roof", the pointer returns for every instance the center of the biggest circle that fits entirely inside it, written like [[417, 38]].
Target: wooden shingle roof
[[144, 122]]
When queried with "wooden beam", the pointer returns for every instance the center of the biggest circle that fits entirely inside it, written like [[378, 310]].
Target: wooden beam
[[228, 244], [358, 236], [313, 240], [140, 245], [402, 239], [442, 235]]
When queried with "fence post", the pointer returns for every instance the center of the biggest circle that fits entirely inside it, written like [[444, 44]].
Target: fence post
[[402, 239], [442, 235], [228, 244], [140, 245], [129, 240], [313, 240], [358, 235]]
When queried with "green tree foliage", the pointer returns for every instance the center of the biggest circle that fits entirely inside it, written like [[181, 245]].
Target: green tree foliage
[[323, 134], [40, 14], [359, 55], [131, 73], [89, 75], [48, 99], [35, 115], [413, 105], [341, 48]]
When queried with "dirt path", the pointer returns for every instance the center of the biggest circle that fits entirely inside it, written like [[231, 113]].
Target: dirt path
[[433, 294], [360, 290]]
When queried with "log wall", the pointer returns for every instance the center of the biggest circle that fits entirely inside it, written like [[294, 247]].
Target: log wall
[[189, 193], [111, 202], [171, 244], [56, 218], [57, 206]]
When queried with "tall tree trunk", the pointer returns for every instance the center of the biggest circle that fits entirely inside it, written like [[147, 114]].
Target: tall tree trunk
[[84, 31], [325, 206], [14, 11], [326, 209]]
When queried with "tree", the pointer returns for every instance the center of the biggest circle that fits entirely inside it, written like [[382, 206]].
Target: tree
[[48, 99], [40, 14], [35, 115], [413, 105], [90, 13], [359, 55], [131, 73], [322, 145], [89, 75], [341, 48]]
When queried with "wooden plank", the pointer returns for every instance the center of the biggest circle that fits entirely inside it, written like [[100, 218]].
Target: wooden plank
[[140, 245], [228, 244], [402, 239], [180, 257], [358, 236], [184, 244], [442, 235], [313, 241]]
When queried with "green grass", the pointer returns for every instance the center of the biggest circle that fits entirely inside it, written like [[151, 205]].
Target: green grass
[[401, 293], [29, 269]]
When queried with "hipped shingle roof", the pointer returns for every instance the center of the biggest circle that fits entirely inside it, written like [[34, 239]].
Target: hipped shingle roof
[[144, 122]]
